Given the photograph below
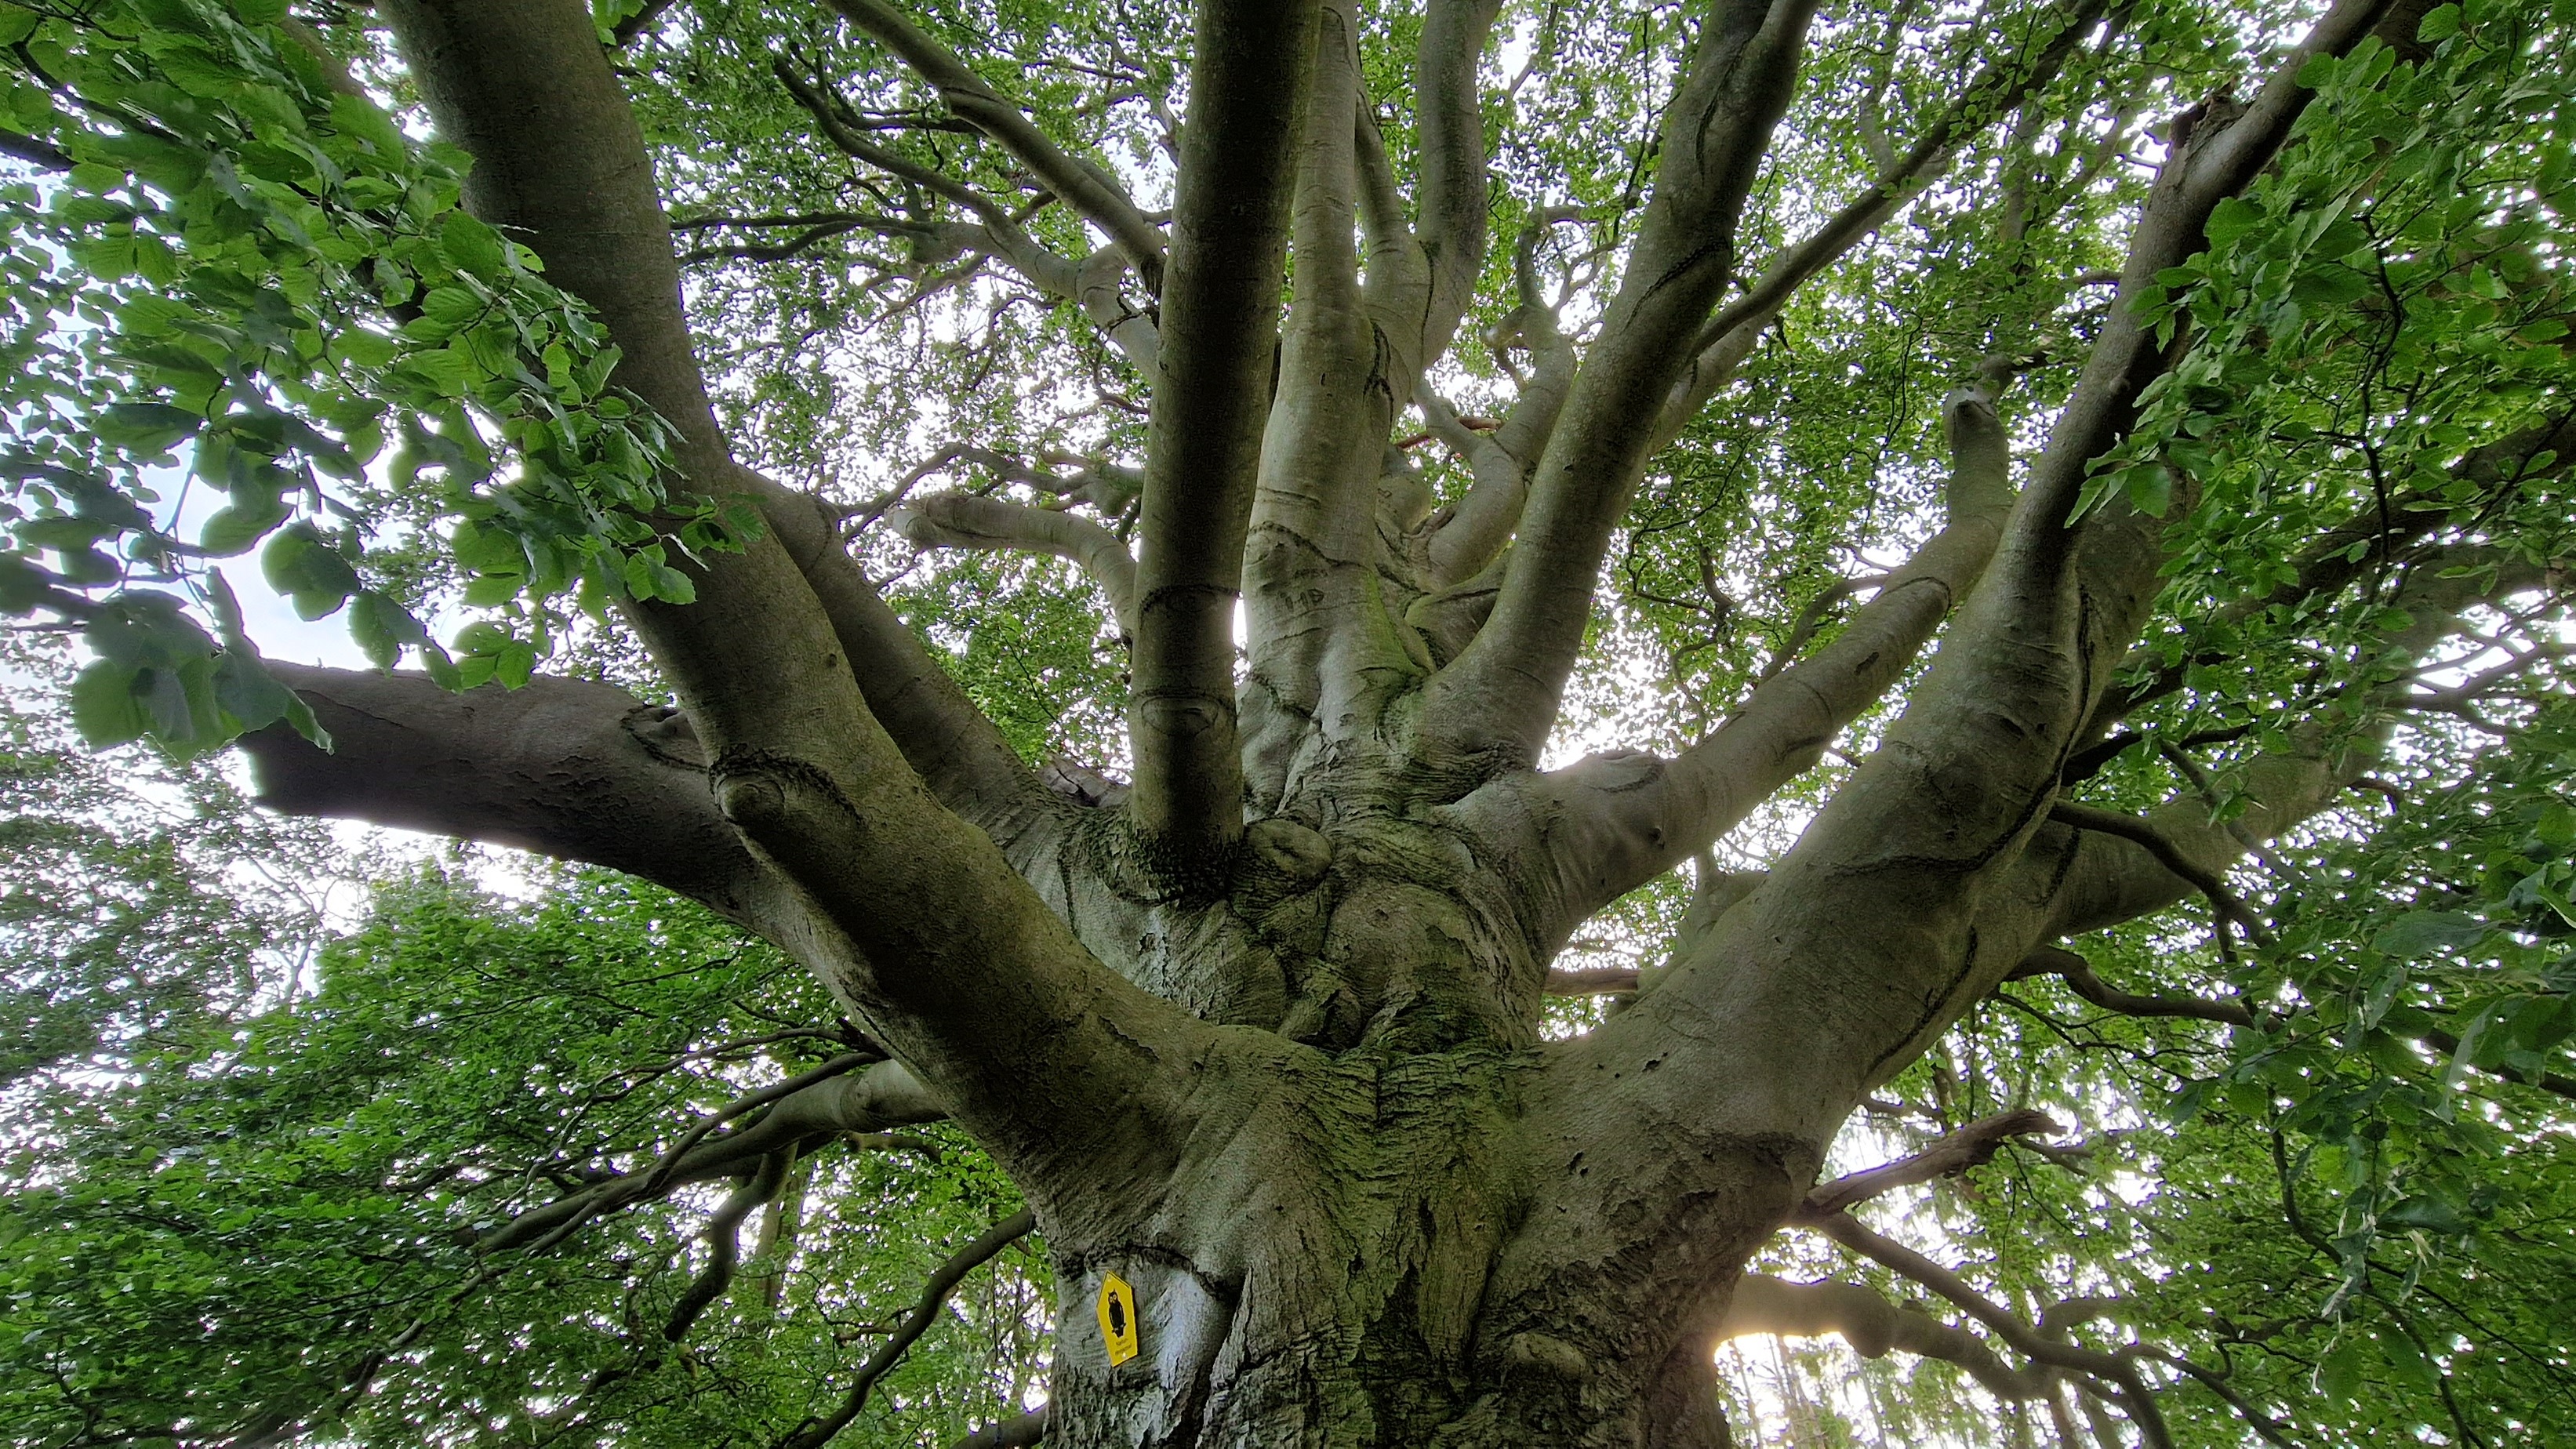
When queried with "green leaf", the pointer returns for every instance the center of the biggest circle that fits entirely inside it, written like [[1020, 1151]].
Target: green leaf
[[2419, 934], [146, 427], [104, 707], [445, 372], [366, 348], [358, 118], [382, 628], [482, 637], [67, 535], [2557, 824], [442, 668], [648, 577], [2408, 1359], [235, 527], [484, 591], [471, 246], [2339, 1375], [2233, 218], [451, 306], [22, 585], [298, 562], [2331, 285], [2149, 487], [251, 695]]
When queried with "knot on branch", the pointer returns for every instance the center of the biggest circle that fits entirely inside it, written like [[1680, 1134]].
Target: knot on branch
[[1281, 858], [1182, 713], [763, 792], [1541, 1353]]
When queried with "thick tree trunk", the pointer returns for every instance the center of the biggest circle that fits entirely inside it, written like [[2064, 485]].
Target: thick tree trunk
[[1344, 1248], [1323, 1270]]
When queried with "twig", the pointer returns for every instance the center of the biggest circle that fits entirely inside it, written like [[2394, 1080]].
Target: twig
[[2078, 975], [2225, 902], [814, 1434], [2272, 1430]]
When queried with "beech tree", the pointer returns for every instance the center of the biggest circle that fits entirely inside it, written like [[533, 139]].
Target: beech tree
[[1995, 490]]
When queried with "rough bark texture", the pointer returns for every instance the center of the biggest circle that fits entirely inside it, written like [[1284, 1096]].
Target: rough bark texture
[[1261, 1036]]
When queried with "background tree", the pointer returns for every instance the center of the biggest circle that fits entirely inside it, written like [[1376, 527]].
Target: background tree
[[2060, 473]]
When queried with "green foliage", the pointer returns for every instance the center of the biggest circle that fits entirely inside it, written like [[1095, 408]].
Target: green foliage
[[230, 257], [260, 1210], [1024, 637], [256, 1175]]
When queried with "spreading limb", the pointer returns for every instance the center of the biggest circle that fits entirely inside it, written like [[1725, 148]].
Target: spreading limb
[[723, 1237], [1452, 164], [1491, 708], [1953, 1154], [1623, 820], [2029, 1341], [1872, 1326], [862, 1102], [1311, 553], [948, 957], [563, 767], [1727, 338], [967, 520], [1249, 71], [1082, 185]]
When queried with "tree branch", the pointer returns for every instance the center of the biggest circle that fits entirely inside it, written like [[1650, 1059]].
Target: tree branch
[[912, 913], [1451, 162], [815, 1433], [1727, 337], [1872, 1326], [967, 520], [1490, 709], [1625, 819], [2372, 537], [563, 767], [2551, 1082], [941, 734], [1475, 533], [1005, 236], [816, 1108], [1617, 981], [1080, 184], [2099, 880], [1312, 550], [2229, 908], [2135, 1397], [2078, 974], [1956, 1152], [43, 155], [1931, 841], [1012, 1433], [724, 1244], [1249, 73], [804, 241]]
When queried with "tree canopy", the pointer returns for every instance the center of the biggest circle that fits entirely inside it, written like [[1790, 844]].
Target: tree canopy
[[1580, 722]]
